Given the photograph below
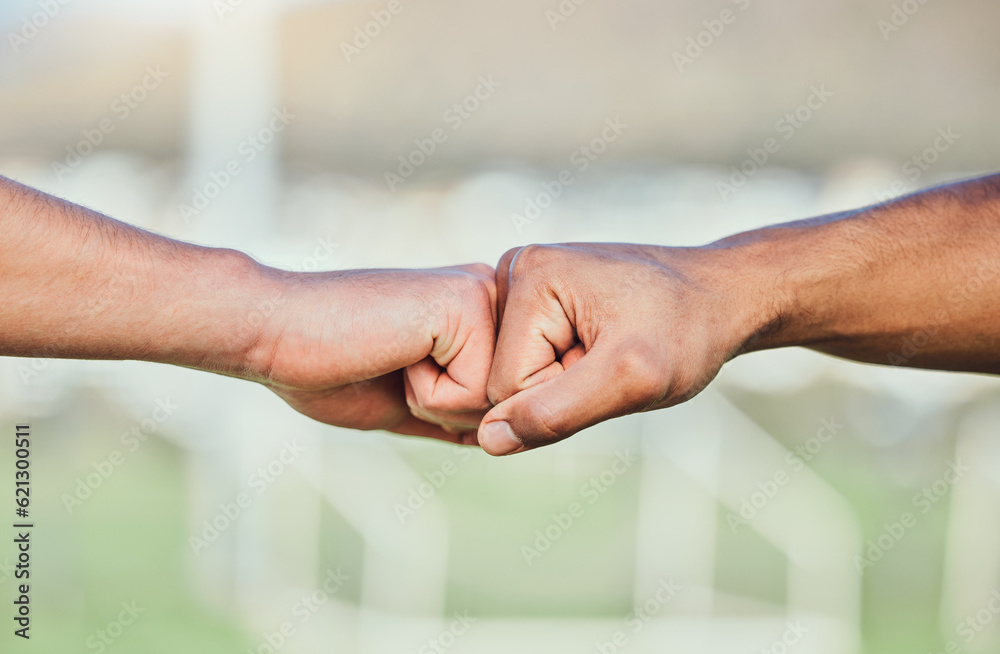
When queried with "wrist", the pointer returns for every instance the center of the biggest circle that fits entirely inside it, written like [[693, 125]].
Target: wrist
[[748, 303], [761, 293], [257, 319], [787, 277], [234, 310]]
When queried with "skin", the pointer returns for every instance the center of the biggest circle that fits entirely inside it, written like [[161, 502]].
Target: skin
[[589, 332], [354, 349]]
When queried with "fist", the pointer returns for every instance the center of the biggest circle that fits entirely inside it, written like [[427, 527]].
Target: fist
[[595, 331]]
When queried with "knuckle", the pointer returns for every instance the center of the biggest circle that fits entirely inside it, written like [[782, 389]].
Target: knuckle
[[416, 406], [472, 289], [431, 404], [506, 380], [419, 390], [482, 290], [443, 396], [427, 414], [503, 266], [545, 425], [643, 374], [482, 269], [497, 390], [530, 257], [440, 403], [478, 400], [414, 398]]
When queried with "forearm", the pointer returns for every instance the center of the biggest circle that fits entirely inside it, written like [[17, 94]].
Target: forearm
[[77, 284], [594, 331], [913, 282]]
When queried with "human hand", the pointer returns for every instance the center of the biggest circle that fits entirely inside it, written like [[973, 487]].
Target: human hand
[[407, 351], [594, 331], [588, 331]]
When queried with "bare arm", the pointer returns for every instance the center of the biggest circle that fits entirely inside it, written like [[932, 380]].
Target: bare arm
[[593, 331], [912, 282], [348, 348], [79, 285]]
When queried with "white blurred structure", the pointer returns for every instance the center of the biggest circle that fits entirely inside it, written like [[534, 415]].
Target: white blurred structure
[[698, 461], [694, 457]]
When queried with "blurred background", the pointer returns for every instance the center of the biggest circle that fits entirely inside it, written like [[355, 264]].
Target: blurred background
[[801, 504]]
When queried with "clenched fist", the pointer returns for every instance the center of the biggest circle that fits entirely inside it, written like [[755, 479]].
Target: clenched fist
[[587, 332], [594, 331], [403, 350]]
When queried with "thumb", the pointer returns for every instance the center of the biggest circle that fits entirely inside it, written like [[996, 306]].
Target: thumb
[[604, 383]]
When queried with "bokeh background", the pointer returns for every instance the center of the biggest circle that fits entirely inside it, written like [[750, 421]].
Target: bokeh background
[[740, 520]]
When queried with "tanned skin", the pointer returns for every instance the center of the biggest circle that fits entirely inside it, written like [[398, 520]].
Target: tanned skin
[[593, 331], [564, 336], [353, 348]]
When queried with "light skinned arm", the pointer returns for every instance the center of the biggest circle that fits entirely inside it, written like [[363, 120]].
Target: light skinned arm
[[353, 348], [594, 331]]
